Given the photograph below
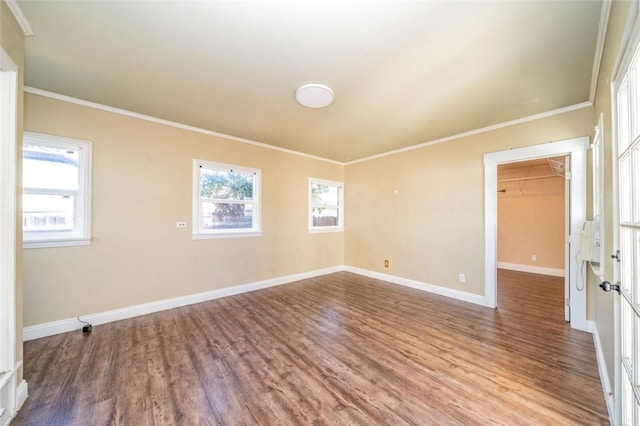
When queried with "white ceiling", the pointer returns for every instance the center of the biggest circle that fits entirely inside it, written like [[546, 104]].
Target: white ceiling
[[403, 73]]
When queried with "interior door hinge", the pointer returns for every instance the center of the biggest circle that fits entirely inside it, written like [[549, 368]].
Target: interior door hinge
[[567, 175], [567, 301]]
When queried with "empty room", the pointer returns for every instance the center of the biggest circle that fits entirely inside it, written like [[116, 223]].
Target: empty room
[[351, 213]]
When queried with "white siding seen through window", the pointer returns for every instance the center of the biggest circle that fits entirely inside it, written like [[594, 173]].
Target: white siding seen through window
[[56, 196]]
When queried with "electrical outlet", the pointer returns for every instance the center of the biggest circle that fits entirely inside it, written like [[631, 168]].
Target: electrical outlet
[[461, 278], [386, 263], [181, 224], [534, 257]]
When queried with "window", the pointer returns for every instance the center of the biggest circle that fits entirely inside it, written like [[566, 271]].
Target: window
[[57, 191], [326, 200], [226, 200]]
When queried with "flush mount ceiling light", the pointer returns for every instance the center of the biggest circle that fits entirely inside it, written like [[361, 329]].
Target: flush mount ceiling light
[[314, 95]]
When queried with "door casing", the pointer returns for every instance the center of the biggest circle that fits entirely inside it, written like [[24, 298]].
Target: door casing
[[577, 150]]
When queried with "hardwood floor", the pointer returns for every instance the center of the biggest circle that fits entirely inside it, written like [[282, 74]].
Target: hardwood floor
[[339, 349]]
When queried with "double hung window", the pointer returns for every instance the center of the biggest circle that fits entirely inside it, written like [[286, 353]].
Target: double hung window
[[326, 199], [226, 200], [56, 197]]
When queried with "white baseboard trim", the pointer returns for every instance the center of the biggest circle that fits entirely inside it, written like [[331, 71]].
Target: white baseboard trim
[[590, 326], [22, 392], [442, 291], [555, 272], [12, 394], [70, 324], [604, 376]]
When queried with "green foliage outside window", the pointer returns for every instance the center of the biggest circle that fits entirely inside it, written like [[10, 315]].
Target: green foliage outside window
[[219, 185], [223, 185]]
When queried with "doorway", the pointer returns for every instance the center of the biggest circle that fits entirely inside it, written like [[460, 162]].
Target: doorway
[[576, 150], [532, 218]]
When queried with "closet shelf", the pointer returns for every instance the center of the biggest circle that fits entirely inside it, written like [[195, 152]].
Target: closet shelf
[[529, 178]]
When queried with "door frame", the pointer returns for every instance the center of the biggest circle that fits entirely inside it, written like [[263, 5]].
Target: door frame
[[577, 149], [9, 366]]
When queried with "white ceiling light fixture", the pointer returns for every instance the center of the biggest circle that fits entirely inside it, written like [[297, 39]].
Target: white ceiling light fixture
[[314, 95]]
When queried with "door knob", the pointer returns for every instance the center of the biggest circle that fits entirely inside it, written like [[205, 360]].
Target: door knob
[[607, 286]]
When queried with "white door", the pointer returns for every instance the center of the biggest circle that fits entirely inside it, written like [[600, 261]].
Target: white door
[[627, 239], [628, 273]]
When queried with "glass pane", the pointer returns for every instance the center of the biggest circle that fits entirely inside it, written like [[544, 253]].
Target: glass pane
[[635, 175], [625, 189], [635, 89], [627, 402], [627, 317], [49, 168], [636, 347], [226, 185], [43, 213], [623, 117], [325, 217], [634, 267], [326, 195], [626, 258], [227, 215]]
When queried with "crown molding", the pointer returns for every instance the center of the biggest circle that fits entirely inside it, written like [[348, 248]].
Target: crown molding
[[479, 131], [19, 15], [65, 98], [94, 105], [597, 59]]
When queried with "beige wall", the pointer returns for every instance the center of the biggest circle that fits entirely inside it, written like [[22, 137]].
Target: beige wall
[[424, 209], [603, 302], [12, 41], [142, 185], [531, 217]]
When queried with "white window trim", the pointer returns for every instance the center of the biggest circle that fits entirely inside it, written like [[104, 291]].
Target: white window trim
[[83, 237], [324, 229], [200, 234]]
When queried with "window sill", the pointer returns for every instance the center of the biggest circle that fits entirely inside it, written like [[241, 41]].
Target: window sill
[[325, 230], [226, 235], [56, 243]]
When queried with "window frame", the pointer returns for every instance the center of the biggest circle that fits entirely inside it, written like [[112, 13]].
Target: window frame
[[340, 207], [198, 232], [81, 234]]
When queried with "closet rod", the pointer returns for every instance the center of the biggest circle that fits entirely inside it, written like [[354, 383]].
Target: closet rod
[[529, 178]]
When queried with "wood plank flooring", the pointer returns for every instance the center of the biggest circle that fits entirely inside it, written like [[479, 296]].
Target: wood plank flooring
[[336, 350]]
